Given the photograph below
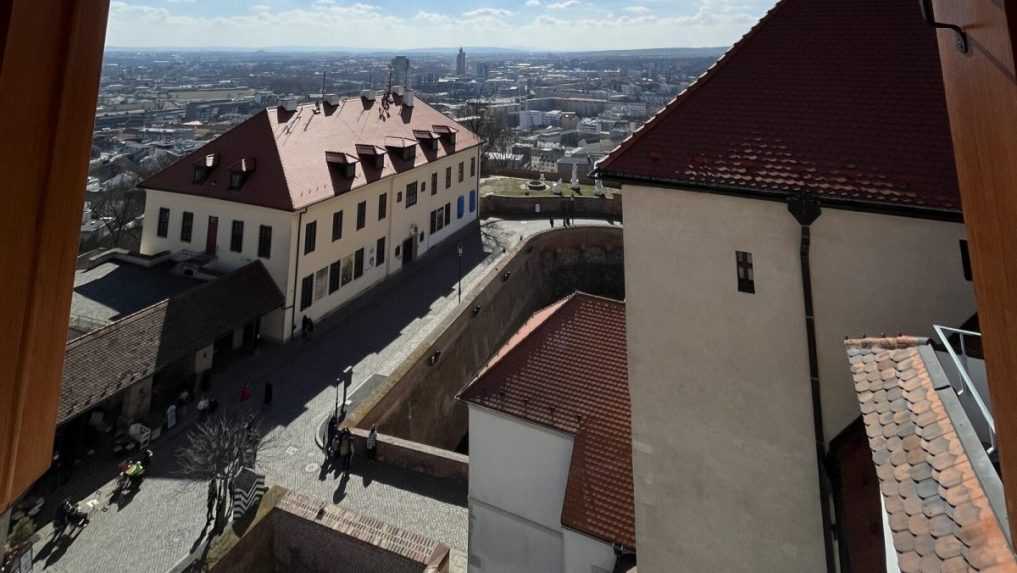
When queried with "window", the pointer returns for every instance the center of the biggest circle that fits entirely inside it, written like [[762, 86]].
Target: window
[[966, 260], [382, 206], [265, 242], [399, 197], [337, 226], [448, 213], [434, 183], [379, 252], [163, 228], [473, 166], [320, 283], [236, 179], [187, 227], [306, 291], [347, 270], [448, 176], [310, 236], [440, 218], [333, 276], [237, 237], [411, 194], [460, 206], [358, 264], [460, 171], [746, 281], [361, 214], [473, 201]]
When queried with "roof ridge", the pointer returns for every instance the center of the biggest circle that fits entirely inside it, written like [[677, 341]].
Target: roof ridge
[[685, 94]]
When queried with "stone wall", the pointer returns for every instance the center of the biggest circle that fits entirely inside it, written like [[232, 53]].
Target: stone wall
[[523, 207], [416, 457], [418, 402]]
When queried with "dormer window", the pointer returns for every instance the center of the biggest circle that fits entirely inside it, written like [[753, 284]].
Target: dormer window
[[428, 139], [446, 133], [344, 163], [203, 170], [405, 149], [240, 172], [371, 155]]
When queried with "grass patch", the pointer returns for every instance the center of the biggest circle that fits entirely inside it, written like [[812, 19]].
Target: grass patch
[[497, 185]]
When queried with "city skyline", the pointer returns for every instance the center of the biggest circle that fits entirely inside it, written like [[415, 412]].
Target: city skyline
[[539, 25]]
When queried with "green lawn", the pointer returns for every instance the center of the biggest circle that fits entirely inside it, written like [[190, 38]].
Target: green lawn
[[498, 185]]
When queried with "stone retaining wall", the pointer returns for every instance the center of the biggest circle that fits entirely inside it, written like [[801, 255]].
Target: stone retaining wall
[[524, 207]]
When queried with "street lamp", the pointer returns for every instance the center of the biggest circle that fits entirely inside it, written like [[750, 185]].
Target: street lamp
[[459, 251]]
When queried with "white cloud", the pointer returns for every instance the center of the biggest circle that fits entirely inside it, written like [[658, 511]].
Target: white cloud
[[181, 1], [532, 3], [488, 13], [638, 10], [564, 4]]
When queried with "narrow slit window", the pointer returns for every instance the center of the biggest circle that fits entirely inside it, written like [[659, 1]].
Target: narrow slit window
[[966, 260], [746, 276]]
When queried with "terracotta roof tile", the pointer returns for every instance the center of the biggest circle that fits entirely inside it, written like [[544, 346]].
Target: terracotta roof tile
[[843, 99], [290, 149], [567, 368], [937, 510]]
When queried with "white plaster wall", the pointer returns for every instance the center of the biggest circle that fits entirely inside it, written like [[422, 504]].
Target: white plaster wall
[[504, 543], [723, 453], [876, 274], [585, 554]]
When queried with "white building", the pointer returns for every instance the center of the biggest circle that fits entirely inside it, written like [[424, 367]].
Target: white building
[[801, 191], [333, 197], [550, 462]]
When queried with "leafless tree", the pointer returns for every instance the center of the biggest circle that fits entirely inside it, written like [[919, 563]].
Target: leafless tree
[[118, 209], [216, 450]]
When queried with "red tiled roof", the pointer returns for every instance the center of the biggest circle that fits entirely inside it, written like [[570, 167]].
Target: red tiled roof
[[937, 510], [567, 368], [290, 147], [841, 98]]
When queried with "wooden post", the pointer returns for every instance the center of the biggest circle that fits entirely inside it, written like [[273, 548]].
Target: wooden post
[[50, 60], [981, 94]]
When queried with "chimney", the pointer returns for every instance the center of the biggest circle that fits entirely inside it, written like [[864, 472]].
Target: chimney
[[408, 98]]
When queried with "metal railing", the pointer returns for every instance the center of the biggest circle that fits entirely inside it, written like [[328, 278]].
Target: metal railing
[[960, 362]]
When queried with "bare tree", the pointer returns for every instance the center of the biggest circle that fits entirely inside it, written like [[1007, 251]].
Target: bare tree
[[216, 450], [118, 210]]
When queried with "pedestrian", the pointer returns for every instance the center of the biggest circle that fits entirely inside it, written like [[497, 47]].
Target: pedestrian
[[212, 498], [330, 438], [345, 450], [268, 393], [306, 328], [550, 218], [372, 443], [245, 392]]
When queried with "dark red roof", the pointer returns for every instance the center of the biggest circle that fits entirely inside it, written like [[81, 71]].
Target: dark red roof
[[567, 368], [841, 98], [289, 150]]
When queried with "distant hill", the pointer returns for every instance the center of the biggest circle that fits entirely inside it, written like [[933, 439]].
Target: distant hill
[[471, 50]]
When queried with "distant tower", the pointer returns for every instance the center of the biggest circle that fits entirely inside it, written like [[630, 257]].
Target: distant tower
[[461, 63], [401, 71]]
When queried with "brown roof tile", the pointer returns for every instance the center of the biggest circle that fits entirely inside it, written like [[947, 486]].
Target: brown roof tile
[[938, 513], [567, 368]]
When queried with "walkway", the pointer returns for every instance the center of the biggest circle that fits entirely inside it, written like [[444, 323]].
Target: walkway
[[164, 520]]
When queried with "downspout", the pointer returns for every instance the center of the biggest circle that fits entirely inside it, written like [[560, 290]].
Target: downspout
[[296, 272], [805, 209]]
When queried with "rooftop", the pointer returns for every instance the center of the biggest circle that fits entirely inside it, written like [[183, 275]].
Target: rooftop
[[841, 99], [289, 170], [567, 369]]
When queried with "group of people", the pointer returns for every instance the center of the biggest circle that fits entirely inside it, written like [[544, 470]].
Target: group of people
[[339, 444], [568, 208]]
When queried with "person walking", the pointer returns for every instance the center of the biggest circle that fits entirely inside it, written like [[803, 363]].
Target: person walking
[[212, 498], [372, 443], [268, 393], [345, 447], [330, 442]]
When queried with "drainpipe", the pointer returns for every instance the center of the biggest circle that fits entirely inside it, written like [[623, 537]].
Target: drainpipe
[[296, 272], [805, 209]]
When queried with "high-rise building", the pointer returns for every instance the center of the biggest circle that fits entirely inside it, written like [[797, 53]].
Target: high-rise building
[[461, 63], [400, 71]]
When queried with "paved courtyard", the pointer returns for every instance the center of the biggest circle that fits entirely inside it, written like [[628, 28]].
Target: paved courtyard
[[161, 524]]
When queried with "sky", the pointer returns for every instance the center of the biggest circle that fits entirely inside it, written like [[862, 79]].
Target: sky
[[406, 24]]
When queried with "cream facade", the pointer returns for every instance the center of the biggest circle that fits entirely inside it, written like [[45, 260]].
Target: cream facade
[[340, 266], [724, 456]]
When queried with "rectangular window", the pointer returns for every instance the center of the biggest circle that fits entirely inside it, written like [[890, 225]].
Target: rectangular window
[[163, 228], [265, 242], [434, 221], [361, 214], [306, 291], [382, 206], [187, 227], [358, 264], [411, 194], [379, 252], [448, 213], [310, 236], [473, 167], [460, 207], [966, 260], [434, 183], [473, 201], [460, 171], [448, 176], [320, 283], [237, 237], [746, 279], [347, 270], [334, 272], [337, 226]]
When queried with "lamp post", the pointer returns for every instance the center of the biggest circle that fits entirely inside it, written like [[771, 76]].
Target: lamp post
[[344, 380], [459, 252]]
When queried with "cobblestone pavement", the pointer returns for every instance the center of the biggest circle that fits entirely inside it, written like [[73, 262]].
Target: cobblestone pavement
[[160, 525]]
